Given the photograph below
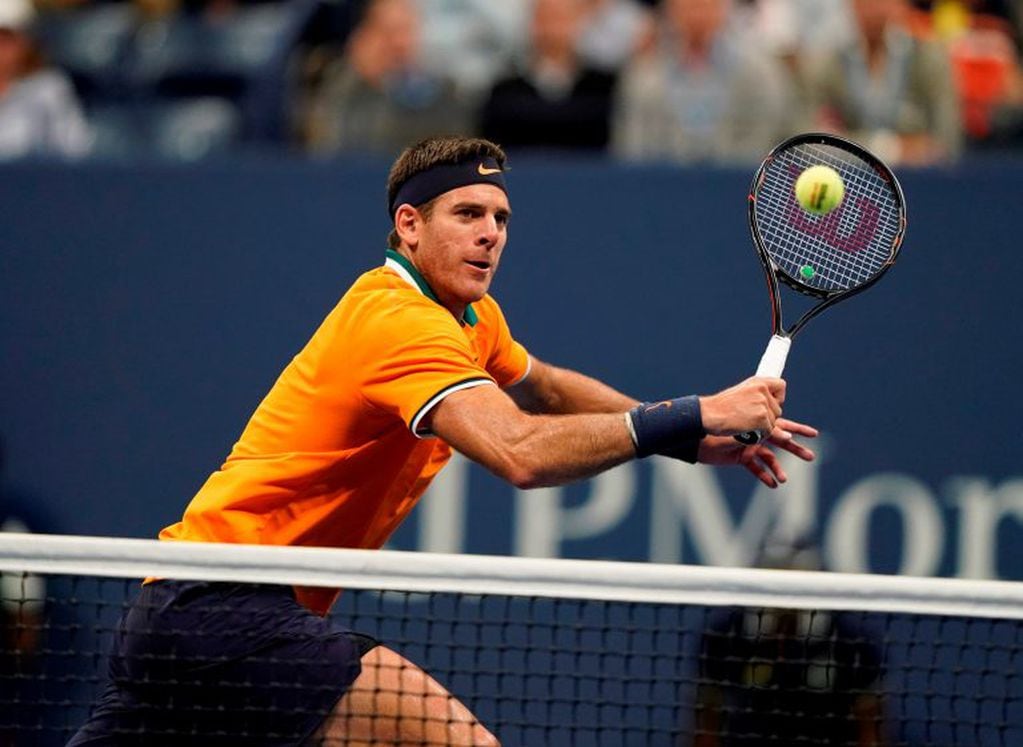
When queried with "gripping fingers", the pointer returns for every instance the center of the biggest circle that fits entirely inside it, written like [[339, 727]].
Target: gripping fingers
[[776, 387], [773, 392], [771, 412], [765, 399]]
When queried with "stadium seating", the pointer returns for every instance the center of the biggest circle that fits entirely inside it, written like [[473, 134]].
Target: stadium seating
[[182, 85]]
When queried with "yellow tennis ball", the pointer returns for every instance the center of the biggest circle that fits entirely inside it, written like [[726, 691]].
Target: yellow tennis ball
[[819, 190]]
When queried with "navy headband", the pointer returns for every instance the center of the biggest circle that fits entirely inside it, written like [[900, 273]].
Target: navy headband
[[426, 185]]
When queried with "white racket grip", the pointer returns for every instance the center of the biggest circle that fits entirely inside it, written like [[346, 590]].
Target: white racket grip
[[772, 363]]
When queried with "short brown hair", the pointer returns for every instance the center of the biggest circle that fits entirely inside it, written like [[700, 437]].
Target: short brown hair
[[432, 152]]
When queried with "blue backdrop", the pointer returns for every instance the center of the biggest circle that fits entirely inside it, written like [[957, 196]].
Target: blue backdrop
[[145, 310]]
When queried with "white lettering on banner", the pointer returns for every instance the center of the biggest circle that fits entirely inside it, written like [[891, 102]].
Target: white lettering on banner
[[542, 521], [981, 510], [846, 542], [688, 503], [442, 509], [689, 496]]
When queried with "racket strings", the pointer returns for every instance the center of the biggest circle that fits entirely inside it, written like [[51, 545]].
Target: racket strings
[[838, 251]]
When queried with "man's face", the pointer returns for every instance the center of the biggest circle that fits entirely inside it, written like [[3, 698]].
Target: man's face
[[396, 24], [14, 48], [873, 16], [460, 245], [698, 20], [555, 25]]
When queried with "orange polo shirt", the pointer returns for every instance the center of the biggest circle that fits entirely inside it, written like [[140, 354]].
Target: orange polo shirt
[[334, 455]]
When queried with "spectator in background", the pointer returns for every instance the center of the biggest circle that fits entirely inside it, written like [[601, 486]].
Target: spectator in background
[[39, 111], [890, 90], [470, 41], [377, 97], [1015, 15], [704, 93], [984, 45], [788, 677], [554, 101], [951, 17], [790, 29], [614, 32]]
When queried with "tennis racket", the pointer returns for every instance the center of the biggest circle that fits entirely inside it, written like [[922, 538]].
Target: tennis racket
[[829, 257]]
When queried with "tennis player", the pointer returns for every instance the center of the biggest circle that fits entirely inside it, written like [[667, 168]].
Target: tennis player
[[416, 359]]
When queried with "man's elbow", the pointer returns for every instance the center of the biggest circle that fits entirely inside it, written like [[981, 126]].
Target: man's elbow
[[518, 469], [522, 476], [511, 446]]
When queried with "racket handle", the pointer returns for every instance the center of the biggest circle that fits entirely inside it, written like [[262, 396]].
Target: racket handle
[[772, 364]]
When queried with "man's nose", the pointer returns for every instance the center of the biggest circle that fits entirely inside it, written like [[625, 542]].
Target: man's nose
[[488, 231]]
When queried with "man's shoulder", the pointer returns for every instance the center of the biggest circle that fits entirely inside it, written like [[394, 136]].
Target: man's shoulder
[[377, 278], [48, 84], [384, 287], [650, 67], [596, 81], [513, 83], [381, 298]]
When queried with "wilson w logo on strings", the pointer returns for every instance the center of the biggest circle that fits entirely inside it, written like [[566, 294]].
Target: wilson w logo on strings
[[855, 239]]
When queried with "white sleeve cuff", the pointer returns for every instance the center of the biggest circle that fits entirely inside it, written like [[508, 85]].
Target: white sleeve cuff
[[432, 402]]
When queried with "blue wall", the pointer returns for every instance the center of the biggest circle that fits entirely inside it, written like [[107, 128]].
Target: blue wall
[[145, 310]]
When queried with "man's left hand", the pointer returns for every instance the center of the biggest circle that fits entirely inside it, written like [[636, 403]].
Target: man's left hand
[[759, 459]]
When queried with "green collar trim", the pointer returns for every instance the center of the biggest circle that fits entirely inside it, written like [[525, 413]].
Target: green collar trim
[[469, 317]]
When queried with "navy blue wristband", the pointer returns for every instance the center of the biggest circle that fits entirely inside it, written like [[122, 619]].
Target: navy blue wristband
[[667, 427], [687, 451]]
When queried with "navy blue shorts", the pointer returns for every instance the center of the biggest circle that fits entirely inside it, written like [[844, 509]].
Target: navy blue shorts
[[242, 664]]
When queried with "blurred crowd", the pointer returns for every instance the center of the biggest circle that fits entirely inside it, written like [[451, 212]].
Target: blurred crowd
[[709, 81]]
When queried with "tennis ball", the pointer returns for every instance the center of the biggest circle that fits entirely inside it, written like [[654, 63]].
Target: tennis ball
[[819, 190]]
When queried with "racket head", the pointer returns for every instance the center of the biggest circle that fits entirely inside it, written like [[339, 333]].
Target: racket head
[[837, 254]]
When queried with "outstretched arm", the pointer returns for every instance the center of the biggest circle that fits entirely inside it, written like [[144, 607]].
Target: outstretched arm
[[552, 390], [530, 450]]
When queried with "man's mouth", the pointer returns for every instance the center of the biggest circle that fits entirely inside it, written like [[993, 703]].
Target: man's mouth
[[479, 264]]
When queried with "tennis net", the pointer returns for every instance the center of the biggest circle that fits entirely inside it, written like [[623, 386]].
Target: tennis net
[[562, 652]]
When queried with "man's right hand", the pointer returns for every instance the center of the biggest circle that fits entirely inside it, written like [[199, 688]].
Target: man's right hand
[[752, 405]]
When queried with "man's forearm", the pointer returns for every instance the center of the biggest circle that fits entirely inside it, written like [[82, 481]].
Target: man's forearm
[[486, 425], [530, 450]]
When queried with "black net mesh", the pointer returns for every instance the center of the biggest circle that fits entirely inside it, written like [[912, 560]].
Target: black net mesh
[[540, 671]]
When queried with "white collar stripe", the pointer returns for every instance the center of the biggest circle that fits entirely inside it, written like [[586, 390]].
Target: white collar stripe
[[402, 273]]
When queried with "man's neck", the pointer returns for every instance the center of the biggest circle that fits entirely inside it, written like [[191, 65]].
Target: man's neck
[[458, 310]]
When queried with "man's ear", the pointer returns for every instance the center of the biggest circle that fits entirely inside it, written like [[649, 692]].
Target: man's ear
[[408, 222]]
